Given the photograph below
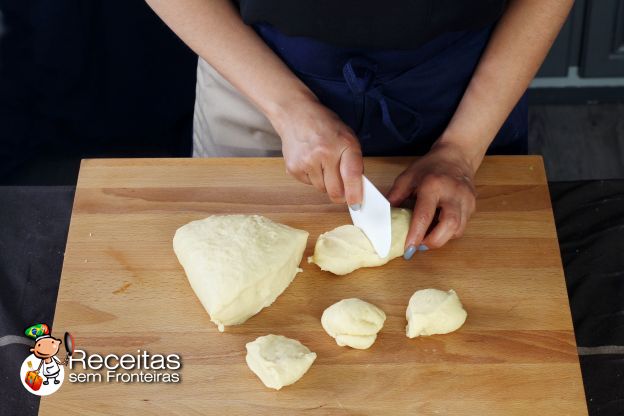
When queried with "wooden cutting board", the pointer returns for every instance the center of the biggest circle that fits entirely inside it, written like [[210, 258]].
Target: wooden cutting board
[[122, 290]]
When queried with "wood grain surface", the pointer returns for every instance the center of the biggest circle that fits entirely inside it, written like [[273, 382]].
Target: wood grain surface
[[122, 290]]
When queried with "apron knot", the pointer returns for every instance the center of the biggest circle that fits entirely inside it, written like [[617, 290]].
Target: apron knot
[[359, 74]]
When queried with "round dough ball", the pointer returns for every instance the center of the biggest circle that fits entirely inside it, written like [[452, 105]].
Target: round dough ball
[[433, 311], [353, 322], [278, 361]]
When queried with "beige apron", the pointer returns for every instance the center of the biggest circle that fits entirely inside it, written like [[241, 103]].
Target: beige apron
[[225, 123]]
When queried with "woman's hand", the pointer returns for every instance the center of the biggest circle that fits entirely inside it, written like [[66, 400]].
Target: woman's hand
[[321, 150], [443, 178], [318, 148]]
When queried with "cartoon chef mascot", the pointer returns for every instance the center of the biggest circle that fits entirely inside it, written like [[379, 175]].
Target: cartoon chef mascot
[[46, 347]]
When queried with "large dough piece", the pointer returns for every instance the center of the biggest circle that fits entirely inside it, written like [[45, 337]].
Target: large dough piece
[[346, 248], [433, 311], [238, 264], [353, 322], [278, 361]]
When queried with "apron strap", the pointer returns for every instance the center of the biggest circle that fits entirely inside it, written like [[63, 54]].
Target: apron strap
[[386, 117]]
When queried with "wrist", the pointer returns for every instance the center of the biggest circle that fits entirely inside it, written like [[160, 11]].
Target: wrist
[[470, 153], [279, 109]]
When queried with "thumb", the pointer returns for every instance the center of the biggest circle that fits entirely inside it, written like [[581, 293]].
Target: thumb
[[351, 170], [401, 189]]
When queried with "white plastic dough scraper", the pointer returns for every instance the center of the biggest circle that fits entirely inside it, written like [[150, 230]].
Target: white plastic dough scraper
[[374, 218]]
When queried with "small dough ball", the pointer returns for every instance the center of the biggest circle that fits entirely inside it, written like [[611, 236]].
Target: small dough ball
[[278, 361], [346, 248], [353, 322], [433, 311]]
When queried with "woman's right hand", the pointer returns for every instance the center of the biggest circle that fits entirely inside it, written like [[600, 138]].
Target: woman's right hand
[[319, 149]]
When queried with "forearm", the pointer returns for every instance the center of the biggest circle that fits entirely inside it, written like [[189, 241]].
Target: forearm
[[513, 55], [216, 32]]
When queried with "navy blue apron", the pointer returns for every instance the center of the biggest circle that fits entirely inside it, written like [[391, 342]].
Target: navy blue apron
[[398, 102]]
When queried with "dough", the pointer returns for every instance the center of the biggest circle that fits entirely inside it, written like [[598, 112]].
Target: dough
[[346, 248], [278, 361], [433, 311], [238, 264], [353, 322]]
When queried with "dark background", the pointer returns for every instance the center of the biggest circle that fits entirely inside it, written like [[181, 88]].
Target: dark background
[[89, 79], [96, 78]]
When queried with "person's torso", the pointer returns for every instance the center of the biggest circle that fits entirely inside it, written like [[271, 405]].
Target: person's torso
[[391, 24], [51, 367]]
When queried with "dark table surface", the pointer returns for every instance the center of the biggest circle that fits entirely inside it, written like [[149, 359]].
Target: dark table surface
[[590, 224]]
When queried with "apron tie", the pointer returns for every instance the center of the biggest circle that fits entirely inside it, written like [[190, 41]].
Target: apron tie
[[359, 74]]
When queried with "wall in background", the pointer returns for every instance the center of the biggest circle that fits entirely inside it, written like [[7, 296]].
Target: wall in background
[[588, 55]]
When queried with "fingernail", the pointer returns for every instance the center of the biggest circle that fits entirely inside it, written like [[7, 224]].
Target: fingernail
[[355, 207], [411, 249], [423, 247]]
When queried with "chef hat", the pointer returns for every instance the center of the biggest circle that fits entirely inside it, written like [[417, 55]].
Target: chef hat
[[38, 331]]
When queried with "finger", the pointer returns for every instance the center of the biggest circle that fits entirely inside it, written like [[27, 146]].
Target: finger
[[402, 188], [351, 171], [449, 223], [298, 174], [464, 215], [424, 211], [301, 177], [316, 177], [333, 182], [467, 208]]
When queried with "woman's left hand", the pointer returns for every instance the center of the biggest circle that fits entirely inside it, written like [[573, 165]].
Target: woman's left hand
[[443, 178]]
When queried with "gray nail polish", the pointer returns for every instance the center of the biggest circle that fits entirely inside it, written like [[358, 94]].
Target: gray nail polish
[[411, 249], [423, 247], [355, 207]]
